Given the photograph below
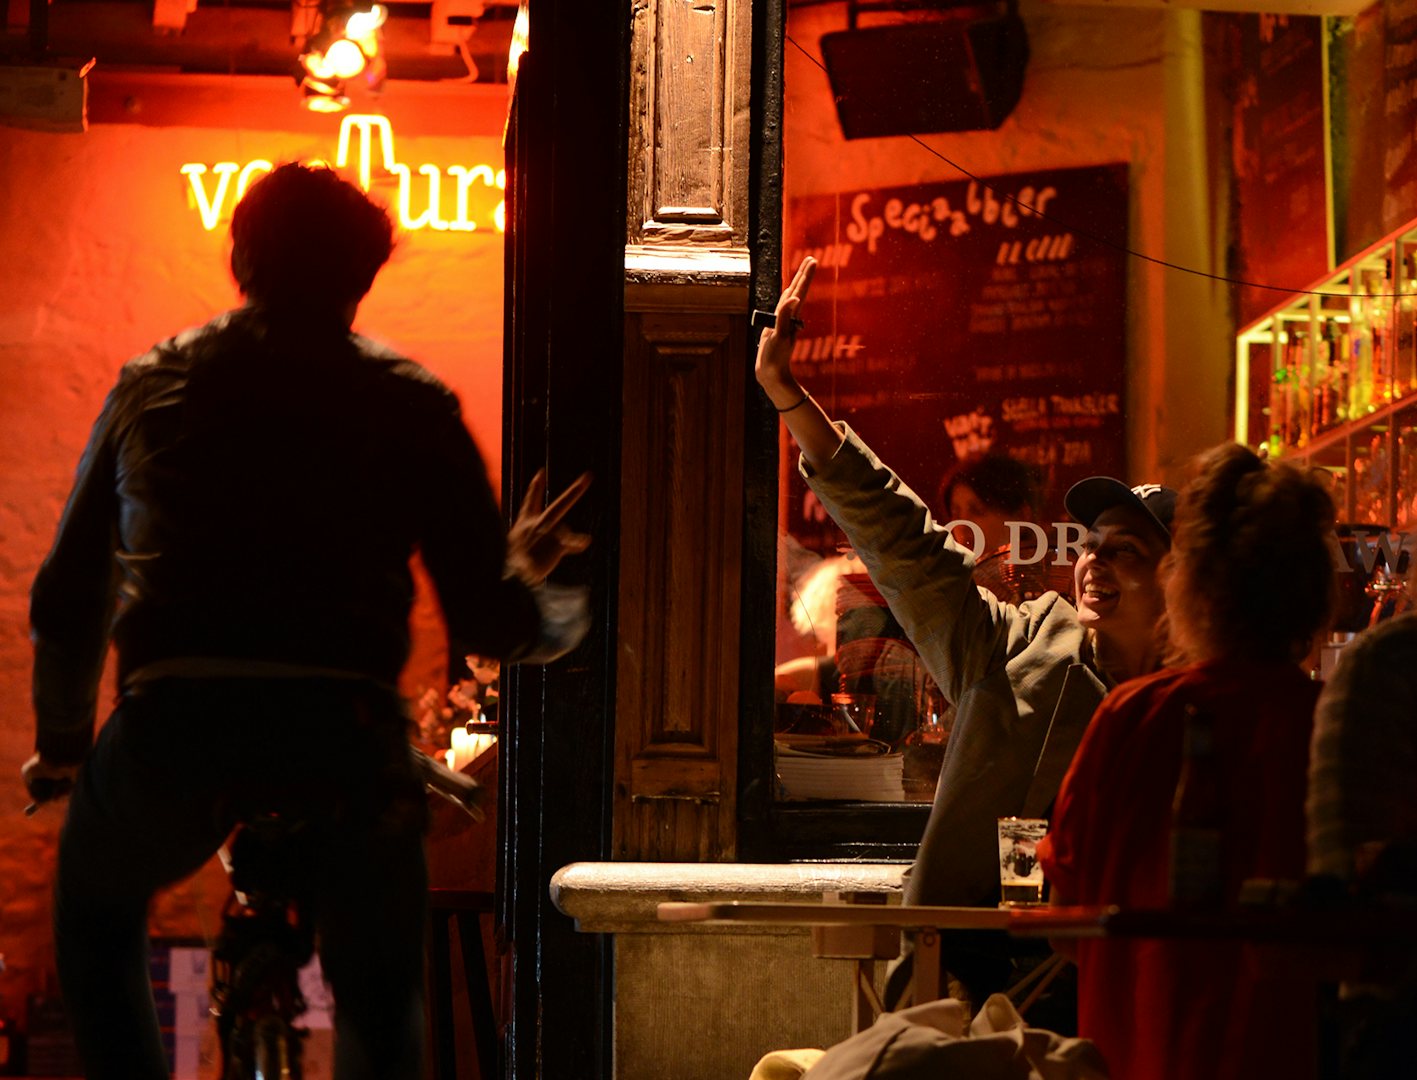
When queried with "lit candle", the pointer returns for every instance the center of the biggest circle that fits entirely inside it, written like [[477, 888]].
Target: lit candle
[[463, 746]]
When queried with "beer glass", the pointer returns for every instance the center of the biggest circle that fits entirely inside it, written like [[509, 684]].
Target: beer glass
[[1020, 873]]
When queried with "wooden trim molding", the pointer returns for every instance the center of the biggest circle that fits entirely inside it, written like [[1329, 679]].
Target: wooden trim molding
[[676, 729], [687, 272], [689, 96]]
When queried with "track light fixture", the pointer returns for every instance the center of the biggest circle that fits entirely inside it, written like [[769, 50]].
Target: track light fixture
[[345, 43]]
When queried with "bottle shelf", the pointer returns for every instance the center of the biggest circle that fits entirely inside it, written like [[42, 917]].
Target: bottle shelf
[[1328, 378]]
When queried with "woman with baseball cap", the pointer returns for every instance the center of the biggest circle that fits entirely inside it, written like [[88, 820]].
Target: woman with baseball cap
[[1025, 679]]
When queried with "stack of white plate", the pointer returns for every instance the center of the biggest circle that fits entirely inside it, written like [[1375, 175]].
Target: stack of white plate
[[810, 768]]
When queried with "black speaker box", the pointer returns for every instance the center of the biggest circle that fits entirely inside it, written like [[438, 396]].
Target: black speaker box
[[952, 74]]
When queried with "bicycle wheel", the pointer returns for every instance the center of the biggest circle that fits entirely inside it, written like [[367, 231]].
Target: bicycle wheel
[[276, 1052]]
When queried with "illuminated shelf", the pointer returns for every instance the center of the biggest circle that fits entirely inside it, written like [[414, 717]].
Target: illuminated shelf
[[1328, 378]]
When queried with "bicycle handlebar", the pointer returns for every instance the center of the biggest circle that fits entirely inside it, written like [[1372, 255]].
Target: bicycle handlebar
[[462, 791], [46, 789]]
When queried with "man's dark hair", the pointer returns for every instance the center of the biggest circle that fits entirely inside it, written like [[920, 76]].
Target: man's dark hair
[[304, 237]]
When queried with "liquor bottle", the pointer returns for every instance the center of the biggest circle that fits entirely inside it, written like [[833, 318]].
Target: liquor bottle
[[1301, 379], [1278, 410], [1196, 867], [1336, 389], [1404, 364], [1362, 371], [1293, 423], [1406, 344], [1343, 372], [1382, 350], [1322, 417]]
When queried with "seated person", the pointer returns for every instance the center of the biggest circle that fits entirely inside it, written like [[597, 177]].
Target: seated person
[[1249, 587], [1363, 829], [1024, 679]]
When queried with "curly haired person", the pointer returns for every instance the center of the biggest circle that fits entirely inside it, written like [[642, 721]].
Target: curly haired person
[[1249, 585]]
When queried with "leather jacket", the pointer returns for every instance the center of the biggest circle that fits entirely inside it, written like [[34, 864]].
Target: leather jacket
[[252, 491]]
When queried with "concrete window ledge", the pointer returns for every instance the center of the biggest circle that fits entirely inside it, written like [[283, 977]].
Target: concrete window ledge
[[704, 1001], [622, 897]]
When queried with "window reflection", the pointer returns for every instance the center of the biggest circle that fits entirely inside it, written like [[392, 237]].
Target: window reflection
[[969, 321]]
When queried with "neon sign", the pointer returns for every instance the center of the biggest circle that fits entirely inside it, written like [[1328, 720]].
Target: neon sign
[[358, 135]]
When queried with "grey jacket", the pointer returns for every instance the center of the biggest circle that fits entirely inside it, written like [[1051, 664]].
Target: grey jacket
[[1021, 677]]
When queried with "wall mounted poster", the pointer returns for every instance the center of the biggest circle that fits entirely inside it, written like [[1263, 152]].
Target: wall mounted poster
[[954, 317], [1373, 61], [1358, 83], [1281, 181]]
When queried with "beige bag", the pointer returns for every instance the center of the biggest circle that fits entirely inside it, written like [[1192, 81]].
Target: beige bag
[[934, 1041]]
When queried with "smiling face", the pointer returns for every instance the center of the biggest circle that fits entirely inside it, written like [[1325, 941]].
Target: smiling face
[[1117, 589]]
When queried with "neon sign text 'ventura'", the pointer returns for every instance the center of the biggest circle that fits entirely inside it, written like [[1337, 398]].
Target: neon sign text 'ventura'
[[448, 191]]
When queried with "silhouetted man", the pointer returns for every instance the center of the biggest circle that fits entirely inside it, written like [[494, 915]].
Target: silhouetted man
[[241, 526]]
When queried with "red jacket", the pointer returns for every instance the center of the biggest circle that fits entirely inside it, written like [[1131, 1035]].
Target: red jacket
[[1188, 1009]]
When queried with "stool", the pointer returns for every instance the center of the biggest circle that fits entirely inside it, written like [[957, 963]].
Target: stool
[[466, 906]]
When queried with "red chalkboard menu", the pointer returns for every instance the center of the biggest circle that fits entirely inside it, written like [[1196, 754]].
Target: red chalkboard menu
[[955, 317], [1281, 181]]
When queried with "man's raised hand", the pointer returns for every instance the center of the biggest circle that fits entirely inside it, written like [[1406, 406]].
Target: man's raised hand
[[538, 541]]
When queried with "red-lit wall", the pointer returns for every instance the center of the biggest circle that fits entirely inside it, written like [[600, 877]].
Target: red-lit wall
[[102, 253], [1102, 85]]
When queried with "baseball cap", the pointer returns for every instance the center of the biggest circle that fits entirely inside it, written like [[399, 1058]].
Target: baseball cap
[[1087, 499]]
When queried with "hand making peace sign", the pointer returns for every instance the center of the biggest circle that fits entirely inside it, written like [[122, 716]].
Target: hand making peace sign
[[537, 541]]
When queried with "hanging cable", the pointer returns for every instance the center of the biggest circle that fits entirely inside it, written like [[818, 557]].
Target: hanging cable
[[1096, 239]]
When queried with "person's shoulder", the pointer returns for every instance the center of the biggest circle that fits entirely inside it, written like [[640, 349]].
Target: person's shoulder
[[388, 360], [1391, 638], [1384, 654], [398, 372], [1134, 712], [1045, 626], [179, 350], [377, 352], [1144, 691], [1049, 612]]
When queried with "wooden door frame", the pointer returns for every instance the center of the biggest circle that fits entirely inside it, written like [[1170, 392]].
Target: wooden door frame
[[566, 164]]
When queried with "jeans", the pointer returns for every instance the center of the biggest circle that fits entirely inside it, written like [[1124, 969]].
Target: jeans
[[170, 774]]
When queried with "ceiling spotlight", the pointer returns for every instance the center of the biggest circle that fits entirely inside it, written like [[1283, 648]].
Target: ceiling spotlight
[[344, 59], [361, 25], [323, 95], [345, 42], [319, 102]]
